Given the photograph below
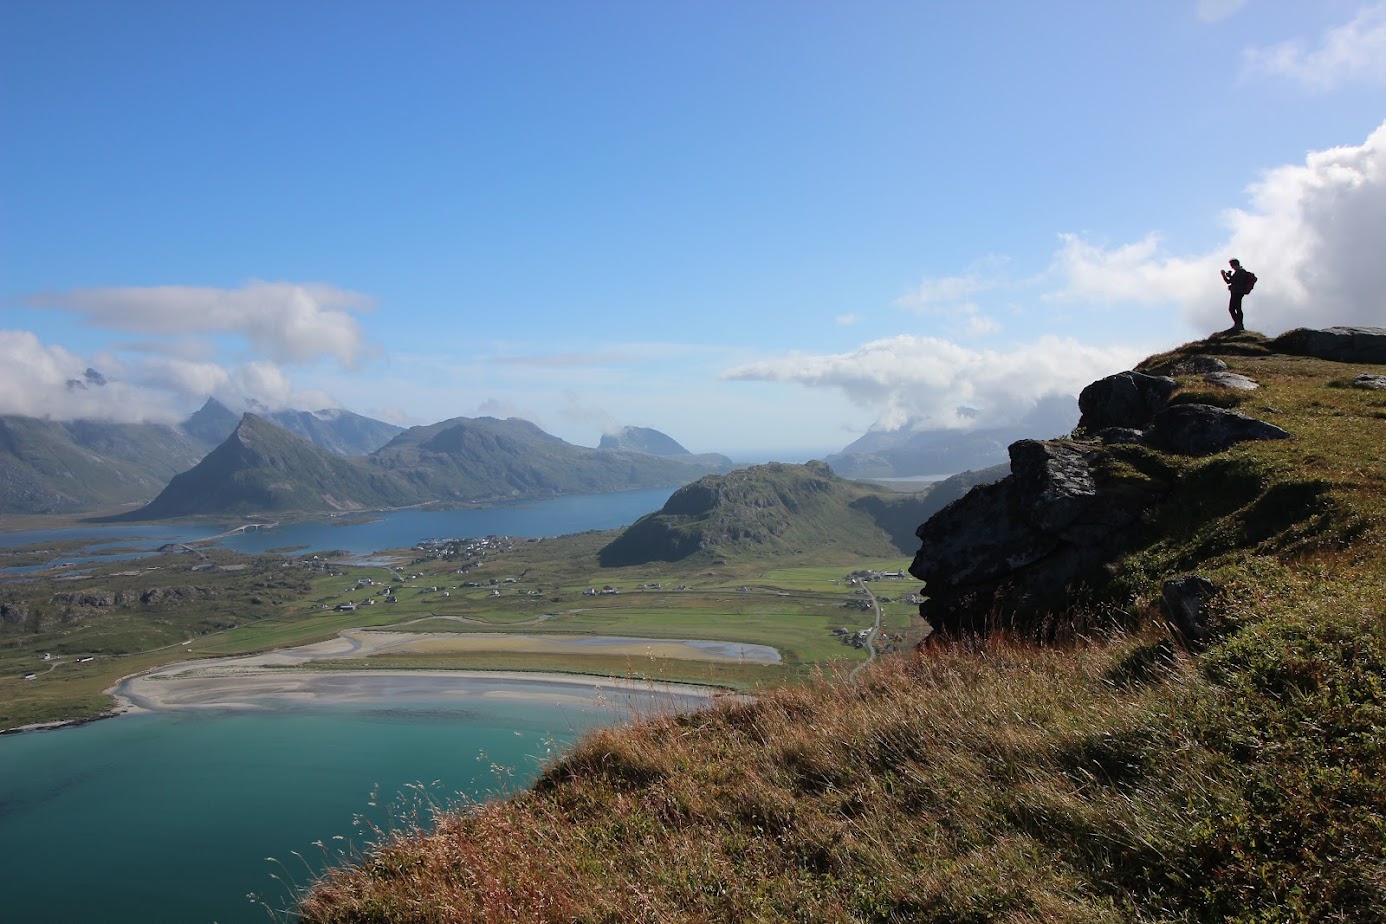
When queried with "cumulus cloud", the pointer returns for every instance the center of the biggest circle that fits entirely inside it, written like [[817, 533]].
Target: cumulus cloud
[[287, 322], [1353, 51], [1312, 234], [911, 381], [35, 377], [34, 380]]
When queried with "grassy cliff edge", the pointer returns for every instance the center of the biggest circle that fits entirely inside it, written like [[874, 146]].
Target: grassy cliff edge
[[1115, 777]]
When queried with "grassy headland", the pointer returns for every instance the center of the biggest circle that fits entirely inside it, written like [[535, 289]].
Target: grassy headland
[[1113, 777]]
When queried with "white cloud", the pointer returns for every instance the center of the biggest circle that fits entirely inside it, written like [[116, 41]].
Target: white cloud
[[1353, 51], [909, 381], [1312, 235], [288, 322], [1217, 10], [847, 320], [34, 382]]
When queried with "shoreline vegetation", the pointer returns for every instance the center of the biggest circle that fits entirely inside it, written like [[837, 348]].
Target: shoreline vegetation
[[1111, 772]]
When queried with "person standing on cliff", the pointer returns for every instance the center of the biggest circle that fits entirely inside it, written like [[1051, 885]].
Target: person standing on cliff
[[1239, 283]]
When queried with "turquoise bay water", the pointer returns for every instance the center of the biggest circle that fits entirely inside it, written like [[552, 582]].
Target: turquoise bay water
[[171, 816]]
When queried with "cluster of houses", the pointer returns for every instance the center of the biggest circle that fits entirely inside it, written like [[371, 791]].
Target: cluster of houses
[[470, 551]]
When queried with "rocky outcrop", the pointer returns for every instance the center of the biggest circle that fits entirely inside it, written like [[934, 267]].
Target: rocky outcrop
[[1201, 429], [1373, 382], [1188, 365], [1127, 399], [1007, 553], [1339, 344]]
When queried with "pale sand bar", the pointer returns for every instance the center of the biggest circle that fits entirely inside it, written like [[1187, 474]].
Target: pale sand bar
[[269, 680]]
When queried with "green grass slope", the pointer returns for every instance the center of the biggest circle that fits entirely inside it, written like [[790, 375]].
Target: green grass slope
[[762, 511], [1115, 777]]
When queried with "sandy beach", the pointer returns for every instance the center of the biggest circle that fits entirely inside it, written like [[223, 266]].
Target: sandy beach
[[275, 679]]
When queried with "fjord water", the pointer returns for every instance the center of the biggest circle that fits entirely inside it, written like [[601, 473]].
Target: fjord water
[[171, 816], [362, 534]]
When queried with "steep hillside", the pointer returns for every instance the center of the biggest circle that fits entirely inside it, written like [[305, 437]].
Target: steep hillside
[[262, 468], [764, 510], [1197, 736], [62, 467]]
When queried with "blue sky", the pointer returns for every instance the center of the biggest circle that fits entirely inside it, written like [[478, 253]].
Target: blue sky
[[761, 227]]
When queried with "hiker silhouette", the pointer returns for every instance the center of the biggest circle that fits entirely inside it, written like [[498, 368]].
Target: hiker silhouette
[[1239, 283]]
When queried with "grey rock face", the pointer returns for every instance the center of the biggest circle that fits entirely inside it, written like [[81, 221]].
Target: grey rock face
[[1127, 399], [1201, 429], [1340, 344], [1374, 382], [1185, 603], [1231, 380], [1010, 551]]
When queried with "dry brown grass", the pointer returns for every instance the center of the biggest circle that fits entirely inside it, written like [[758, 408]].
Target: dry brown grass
[[1108, 779]]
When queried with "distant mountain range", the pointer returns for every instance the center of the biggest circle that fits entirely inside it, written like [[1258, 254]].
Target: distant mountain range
[[913, 451], [262, 468], [644, 439], [219, 461], [342, 432]]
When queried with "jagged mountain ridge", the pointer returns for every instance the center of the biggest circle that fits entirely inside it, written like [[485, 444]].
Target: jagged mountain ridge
[[343, 432], [263, 468]]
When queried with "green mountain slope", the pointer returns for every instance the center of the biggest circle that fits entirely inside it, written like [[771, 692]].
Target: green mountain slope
[[763, 511], [62, 467], [484, 459], [263, 468]]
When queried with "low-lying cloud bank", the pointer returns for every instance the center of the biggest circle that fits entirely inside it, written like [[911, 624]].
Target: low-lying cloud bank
[[929, 382]]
